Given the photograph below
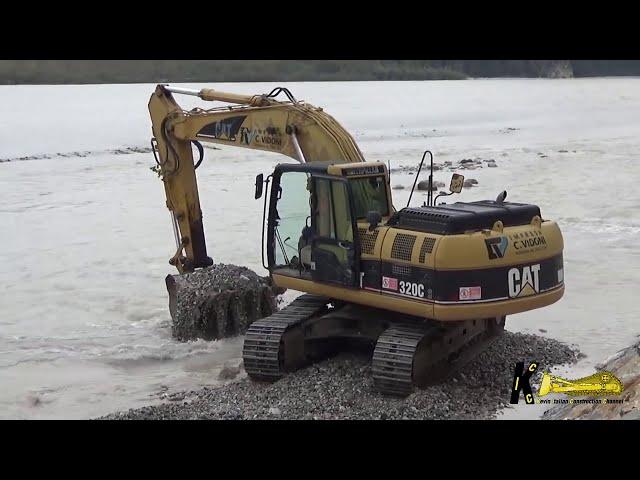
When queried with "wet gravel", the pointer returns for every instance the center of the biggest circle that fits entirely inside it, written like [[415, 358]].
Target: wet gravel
[[218, 301], [223, 276], [342, 388]]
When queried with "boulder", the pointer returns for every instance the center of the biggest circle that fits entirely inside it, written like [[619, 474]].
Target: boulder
[[230, 371], [424, 185]]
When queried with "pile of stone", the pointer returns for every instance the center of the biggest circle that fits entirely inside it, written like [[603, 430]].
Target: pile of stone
[[80, 154], [475, 163], [342, 388], [448, 166], [219, 301]]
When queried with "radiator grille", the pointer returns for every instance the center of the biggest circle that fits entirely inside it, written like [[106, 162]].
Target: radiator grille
[[368, 240], [403, 246], [401, 270], [427, 247]]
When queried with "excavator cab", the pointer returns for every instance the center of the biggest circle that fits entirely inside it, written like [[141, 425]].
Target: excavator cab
[[314, 210]]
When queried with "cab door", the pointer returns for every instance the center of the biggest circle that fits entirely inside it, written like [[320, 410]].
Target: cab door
[[335, 246]]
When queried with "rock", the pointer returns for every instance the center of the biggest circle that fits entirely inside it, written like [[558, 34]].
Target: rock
[[398, 187], [424, 185], [467, 184], [472, 181], [218, 301], [465, 161], [492, 165], [228, 372]]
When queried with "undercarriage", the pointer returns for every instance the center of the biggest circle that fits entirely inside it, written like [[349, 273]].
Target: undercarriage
[[408, 351]]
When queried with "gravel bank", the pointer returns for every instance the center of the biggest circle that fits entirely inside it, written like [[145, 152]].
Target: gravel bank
[[342, 388]]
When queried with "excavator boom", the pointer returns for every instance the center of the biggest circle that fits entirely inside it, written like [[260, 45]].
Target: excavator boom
[[260, 122]]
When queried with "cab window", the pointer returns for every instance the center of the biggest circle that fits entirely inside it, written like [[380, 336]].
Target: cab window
[[369, 194], [332, 214]]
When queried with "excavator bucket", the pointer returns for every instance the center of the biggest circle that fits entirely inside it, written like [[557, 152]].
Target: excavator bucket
[[219, 301]]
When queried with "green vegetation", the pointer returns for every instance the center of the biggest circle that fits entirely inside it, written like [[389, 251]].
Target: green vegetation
[[151, 71]]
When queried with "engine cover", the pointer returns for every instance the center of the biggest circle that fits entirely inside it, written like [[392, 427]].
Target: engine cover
[[462, 217]]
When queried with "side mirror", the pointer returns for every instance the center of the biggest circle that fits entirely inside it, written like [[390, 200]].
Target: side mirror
[[373, 218], [259, 185], [457, 182]]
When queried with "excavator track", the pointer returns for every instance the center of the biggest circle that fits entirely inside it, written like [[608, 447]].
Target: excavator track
[[409, 355], [393, 359], [268, 339]]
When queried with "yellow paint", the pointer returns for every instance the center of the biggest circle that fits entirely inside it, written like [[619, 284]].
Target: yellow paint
[[601, 383]]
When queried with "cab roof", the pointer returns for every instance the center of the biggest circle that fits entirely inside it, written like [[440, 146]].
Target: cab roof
[[337, 169]]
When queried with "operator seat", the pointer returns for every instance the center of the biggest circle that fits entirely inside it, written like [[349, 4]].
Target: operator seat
[[304, 247]]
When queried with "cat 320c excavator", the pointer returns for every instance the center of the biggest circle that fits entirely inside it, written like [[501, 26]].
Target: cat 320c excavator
[[429, 286]]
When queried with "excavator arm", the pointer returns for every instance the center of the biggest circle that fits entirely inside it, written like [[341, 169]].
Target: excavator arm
[[261, 122]]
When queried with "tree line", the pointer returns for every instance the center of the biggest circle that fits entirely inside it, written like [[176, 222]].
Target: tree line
[[152, 71]]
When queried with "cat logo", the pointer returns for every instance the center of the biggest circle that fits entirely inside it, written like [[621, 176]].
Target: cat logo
[[225, 129], [524, 281]]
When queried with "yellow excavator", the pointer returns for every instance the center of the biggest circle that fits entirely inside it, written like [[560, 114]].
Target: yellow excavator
[[429, 286]]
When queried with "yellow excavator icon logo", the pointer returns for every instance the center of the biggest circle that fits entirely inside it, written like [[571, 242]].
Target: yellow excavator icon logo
[[598, 384]]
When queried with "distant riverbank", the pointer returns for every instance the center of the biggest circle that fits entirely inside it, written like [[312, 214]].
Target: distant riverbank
[[14, 72]]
